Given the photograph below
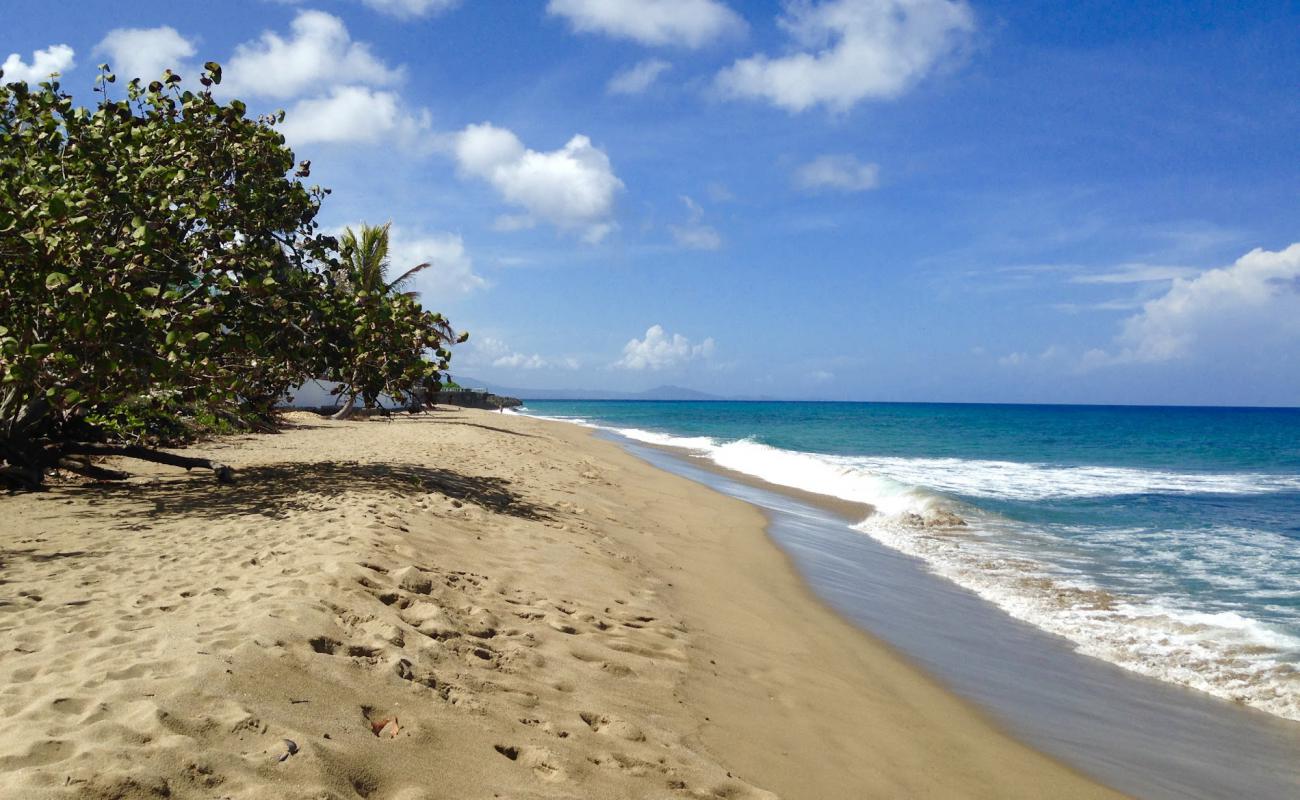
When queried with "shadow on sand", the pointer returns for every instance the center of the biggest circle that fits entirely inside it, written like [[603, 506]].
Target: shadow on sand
[[277, 489]]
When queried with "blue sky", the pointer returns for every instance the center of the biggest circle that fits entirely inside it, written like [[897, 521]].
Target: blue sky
[[841, 199]]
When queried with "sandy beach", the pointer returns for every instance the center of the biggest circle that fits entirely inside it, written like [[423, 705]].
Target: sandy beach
[[456, 605]]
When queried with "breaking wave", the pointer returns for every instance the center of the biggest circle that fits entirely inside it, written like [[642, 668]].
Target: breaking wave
[[930, 509]]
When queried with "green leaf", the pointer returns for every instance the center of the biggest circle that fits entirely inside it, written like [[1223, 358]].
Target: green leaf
[[55, 279]]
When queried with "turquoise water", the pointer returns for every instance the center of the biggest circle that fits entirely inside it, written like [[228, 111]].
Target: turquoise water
[[1164, 540]]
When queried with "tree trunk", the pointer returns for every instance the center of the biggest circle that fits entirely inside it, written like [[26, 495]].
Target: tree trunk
[[89, 470], [224, 474], [22, 458], [346, 410]]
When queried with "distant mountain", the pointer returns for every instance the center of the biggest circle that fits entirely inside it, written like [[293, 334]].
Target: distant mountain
[[657, 393], [675, 393]]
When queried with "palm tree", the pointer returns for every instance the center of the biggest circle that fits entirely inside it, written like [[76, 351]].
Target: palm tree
[[363, 267], [364, 262]]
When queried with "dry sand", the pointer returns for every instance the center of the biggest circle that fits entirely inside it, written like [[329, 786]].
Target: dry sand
[[542, 614]]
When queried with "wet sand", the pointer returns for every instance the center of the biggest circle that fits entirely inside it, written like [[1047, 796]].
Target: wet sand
[[459, 605], [1144, 736]]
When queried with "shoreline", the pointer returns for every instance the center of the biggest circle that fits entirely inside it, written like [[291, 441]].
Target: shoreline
[[538, 607], [1090, 714], [1055, 576]]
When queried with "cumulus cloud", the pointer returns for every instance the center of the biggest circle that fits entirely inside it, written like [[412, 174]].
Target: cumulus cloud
[[695, 234], [658, 351], [318, 53], [342, 92], [55, 58], [145, 52], [638, 77], [1250, 306], [409, 9], [356, 114], [852, 50], [687, 23], [490, 351], [841, 173], [573, 188], [451, 273]]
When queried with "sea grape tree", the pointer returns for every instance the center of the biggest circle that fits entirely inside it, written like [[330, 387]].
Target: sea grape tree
[[161, 247]]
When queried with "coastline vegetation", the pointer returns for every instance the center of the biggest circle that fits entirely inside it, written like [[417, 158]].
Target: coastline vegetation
[[162, 273]]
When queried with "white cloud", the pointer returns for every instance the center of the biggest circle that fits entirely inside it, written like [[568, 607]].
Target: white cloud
[[513, 222], [659, 351], [695, 234], [688, 23], [452, 272], [1052, 353], [638, 77], [573, 187], [841, 173], [1252, 306], [851, 50], [490, 351], [409, 9], [1118, 304], [319, 53], [719, 192], [356, 114], [340, 87], [55, 58], [696, 237], [1136, 273], [521, 361], [145, 52]]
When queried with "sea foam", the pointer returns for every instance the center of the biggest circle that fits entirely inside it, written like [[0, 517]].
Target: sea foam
[[1031, 574]]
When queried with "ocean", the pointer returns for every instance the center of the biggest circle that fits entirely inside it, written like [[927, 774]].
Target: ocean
[[1163, 540]]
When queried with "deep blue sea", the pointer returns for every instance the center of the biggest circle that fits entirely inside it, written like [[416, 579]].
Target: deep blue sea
[[1164, 540]]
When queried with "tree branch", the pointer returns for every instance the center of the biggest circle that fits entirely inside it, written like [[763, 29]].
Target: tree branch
[[89, 470], [224, 473]]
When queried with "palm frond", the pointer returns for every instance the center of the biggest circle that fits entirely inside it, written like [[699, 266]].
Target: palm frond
[[401, 281]]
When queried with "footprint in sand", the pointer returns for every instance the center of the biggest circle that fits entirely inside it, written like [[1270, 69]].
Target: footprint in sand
[[544, 764], [635, 767], [612, 726]]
